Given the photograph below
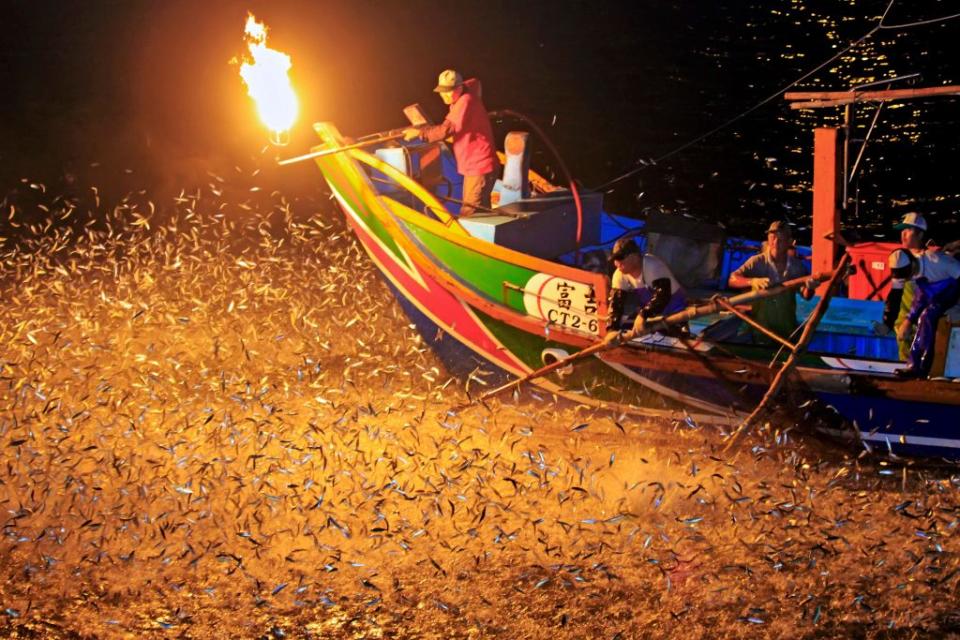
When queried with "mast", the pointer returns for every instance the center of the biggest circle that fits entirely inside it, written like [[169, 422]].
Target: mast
[[831, 157]]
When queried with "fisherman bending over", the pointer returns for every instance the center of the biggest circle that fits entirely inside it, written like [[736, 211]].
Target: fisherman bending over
[[936, 278], [770, 268], [642, 285], [473, 146]]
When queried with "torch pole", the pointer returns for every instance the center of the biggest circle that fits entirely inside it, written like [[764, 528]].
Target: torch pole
[[381, 137]]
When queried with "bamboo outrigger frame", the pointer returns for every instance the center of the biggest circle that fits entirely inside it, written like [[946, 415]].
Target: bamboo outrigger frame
[[832, 174], [821, 99]]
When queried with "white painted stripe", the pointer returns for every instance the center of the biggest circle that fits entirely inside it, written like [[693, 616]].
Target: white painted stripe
[[660, 340], [894, 439], [667, 391], [867, 366]]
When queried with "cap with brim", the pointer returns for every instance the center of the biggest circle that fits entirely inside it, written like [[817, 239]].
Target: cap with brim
[[448, 81], [779, 226], [911, 221]]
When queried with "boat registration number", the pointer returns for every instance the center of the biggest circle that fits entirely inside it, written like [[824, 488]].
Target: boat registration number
[[562, 301]]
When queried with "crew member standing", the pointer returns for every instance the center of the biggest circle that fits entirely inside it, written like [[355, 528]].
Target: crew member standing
[[473, 146], [936, 278], [772, 267], [912, 228]]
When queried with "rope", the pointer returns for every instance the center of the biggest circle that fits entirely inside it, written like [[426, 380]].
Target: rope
[[918, 23], [743, 114]]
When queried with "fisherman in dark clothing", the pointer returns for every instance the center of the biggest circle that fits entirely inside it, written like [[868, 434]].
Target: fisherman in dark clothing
[[642, 285]]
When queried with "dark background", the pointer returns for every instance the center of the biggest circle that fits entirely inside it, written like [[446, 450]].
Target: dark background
[[140, 94]]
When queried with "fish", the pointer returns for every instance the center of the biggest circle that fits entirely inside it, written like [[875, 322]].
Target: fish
[[200, 423]]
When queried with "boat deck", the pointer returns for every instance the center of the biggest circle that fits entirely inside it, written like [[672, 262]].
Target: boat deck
[[545, 225]]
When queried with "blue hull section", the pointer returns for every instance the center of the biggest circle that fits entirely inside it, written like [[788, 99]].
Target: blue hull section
[[900, 427], [903, 428]]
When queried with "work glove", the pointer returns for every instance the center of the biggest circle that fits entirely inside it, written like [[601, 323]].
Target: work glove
[[903, 330]]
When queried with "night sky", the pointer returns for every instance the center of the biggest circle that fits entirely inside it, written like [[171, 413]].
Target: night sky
[[148, 85]]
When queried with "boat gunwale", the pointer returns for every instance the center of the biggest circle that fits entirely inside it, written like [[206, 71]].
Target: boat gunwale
[[472, 243], [524, 322]]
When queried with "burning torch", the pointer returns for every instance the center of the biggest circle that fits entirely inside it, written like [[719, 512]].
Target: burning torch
[[266, 74]]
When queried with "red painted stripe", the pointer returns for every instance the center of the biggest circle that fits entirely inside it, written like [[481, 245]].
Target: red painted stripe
[[448, 310]]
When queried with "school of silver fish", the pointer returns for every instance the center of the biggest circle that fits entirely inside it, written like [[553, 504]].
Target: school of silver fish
[[217, 422]]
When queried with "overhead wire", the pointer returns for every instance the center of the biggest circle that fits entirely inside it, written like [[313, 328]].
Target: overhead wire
[[918, 23], [750, 110]]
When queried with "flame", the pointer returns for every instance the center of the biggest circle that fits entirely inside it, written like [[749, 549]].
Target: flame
[[265, 73]]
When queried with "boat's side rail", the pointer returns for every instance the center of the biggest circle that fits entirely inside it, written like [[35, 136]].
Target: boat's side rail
[[520, 289]]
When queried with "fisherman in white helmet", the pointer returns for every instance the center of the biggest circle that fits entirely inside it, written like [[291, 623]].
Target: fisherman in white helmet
[[468, 124], [936, 278], [913, 228]]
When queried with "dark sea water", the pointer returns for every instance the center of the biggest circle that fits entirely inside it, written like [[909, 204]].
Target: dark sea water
[[146, 87]]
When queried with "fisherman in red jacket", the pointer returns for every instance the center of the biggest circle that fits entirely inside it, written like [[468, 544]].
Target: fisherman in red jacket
[[473, 146]]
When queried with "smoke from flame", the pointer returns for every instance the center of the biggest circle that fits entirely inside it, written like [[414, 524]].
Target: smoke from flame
[[265, 71]]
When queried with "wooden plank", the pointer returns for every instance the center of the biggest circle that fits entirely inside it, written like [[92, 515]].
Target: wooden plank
[[827, 189], [820, 99], [884, 94]]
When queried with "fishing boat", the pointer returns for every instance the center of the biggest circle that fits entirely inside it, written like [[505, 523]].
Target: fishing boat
[[500, 294]]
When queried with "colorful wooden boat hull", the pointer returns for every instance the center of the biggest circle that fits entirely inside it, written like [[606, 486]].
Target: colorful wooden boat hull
[[490, 314]]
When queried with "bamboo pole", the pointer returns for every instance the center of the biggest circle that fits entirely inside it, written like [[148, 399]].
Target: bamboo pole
[[812, 321], [714, 306], [661, 322], [817, 99], [385, 137], [756, 325]]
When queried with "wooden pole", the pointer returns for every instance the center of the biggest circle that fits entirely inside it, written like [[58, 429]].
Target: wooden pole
[[660, 322], [812, 321], [553, 366], [756, 325], [385, 137], [818, 99], [714, 305]]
